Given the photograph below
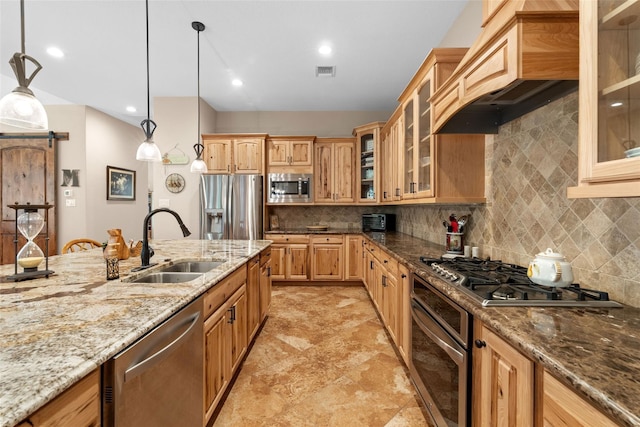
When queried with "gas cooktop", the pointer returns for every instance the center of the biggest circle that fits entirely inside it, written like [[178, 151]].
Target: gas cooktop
[[496, 283]]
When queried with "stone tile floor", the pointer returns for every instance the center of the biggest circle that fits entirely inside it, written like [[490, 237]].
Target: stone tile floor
[[322, 359]]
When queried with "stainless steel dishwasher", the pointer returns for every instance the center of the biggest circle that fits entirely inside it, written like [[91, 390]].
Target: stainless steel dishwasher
[[158, 380]]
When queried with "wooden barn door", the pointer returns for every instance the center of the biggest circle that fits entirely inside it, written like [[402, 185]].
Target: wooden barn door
[[27, 175]]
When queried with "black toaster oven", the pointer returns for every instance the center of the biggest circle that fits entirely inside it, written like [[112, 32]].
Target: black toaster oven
[[378, 222]]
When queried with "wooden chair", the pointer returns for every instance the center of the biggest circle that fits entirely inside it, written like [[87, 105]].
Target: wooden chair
[[80, 245]]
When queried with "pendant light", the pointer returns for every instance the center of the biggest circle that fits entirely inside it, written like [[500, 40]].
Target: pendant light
[[198, 165], [21, 108], [148, 151]]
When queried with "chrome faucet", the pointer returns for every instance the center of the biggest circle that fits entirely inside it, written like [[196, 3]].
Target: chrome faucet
[[146, 254]]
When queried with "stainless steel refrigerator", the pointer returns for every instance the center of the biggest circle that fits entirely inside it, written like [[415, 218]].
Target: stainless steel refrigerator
[[231, 207]]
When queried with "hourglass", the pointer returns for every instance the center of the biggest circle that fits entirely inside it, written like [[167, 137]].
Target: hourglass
[[30, 257]]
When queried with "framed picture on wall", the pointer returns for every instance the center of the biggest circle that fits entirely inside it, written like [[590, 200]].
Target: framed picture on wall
[[121, 184]]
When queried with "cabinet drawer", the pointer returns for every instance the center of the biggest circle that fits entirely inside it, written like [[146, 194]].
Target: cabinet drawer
[[215, 297], [327, 239], [288, 238], [389, 264], [265, 256]]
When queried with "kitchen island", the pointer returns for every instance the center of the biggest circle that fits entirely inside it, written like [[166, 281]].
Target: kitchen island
[[56, 330]]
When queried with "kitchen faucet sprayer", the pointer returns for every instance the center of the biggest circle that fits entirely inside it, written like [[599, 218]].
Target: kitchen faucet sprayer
[[146, 254]]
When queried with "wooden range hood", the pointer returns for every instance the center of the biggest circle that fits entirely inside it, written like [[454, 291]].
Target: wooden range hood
[[526, 56]]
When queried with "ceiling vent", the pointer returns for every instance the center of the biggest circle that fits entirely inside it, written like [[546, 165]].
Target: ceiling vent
[[325, 71]]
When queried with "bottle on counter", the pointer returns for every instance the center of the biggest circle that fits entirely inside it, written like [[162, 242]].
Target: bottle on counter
[[112, 261]]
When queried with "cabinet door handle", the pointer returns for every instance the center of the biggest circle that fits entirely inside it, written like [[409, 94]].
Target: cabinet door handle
[[370, 265], [404, 276], [230, 310], [384, 281], [480, 343], [269, 271], [384, 195]]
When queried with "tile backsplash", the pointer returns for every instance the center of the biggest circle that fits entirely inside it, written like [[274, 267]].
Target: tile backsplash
[[529, 165]]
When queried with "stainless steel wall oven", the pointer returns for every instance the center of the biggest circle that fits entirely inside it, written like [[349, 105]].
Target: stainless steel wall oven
[[441, 354]]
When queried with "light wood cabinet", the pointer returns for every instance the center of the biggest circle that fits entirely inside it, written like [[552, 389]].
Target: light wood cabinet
[[390, 302], [381, 279], [253, 296], [436, 168], [225, 335], [290, 154], [234, 153], [391, 172], [503, 383], [334, 160], [562, 407], [289, 257], [265, 283], [327, 257], [609, 93], [404, 313], [368, 169], [77, 406], [354, 257]]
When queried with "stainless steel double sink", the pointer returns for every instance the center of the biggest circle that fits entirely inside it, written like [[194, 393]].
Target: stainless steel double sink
[[179, 272]]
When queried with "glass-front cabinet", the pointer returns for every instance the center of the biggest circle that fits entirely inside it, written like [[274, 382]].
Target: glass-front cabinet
[[368, 171], [422, 161], [436, 168], [609, 137], [418, 142], [408, 128]]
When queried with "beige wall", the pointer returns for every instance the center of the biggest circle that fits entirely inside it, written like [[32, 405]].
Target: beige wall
[[178, 131], [318, 123], [95, 141], [466, 27]]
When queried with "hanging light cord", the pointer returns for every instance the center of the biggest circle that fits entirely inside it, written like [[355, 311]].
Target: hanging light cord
[[18, 60], [146, 124], [199, 147], [22, 25]]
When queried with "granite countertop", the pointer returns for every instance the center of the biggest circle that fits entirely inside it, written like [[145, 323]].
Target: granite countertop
[[56, 330], [593, 350]]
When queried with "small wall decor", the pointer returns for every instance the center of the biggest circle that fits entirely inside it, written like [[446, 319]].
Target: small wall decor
[[70, 178], [121, 184], [274, 222], [175, 156], [174, 183]]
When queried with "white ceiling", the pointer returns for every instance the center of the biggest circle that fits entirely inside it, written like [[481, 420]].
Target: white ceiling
[[270, 45]]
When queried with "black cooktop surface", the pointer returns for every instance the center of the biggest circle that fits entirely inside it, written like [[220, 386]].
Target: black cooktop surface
[[494, 282]]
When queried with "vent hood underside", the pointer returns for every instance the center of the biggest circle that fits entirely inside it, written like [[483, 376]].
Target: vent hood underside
[[491, 111], [524, 58]]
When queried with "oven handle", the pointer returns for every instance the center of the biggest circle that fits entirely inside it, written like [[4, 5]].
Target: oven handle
[[437, 334]]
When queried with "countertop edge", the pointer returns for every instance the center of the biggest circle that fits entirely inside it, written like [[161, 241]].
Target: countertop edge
[[56, 385]]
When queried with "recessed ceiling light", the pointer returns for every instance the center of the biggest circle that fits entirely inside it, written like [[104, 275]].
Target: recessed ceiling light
[[325, 49], [236, 82], [55, 52], [617, 104], [131, 109]]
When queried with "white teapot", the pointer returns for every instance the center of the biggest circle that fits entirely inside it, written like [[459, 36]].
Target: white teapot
[[550, 269]]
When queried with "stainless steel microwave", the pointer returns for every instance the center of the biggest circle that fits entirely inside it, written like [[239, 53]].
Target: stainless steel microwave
[[290, 188]]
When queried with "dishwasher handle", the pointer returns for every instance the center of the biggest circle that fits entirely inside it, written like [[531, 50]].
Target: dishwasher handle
[[163, 353]]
